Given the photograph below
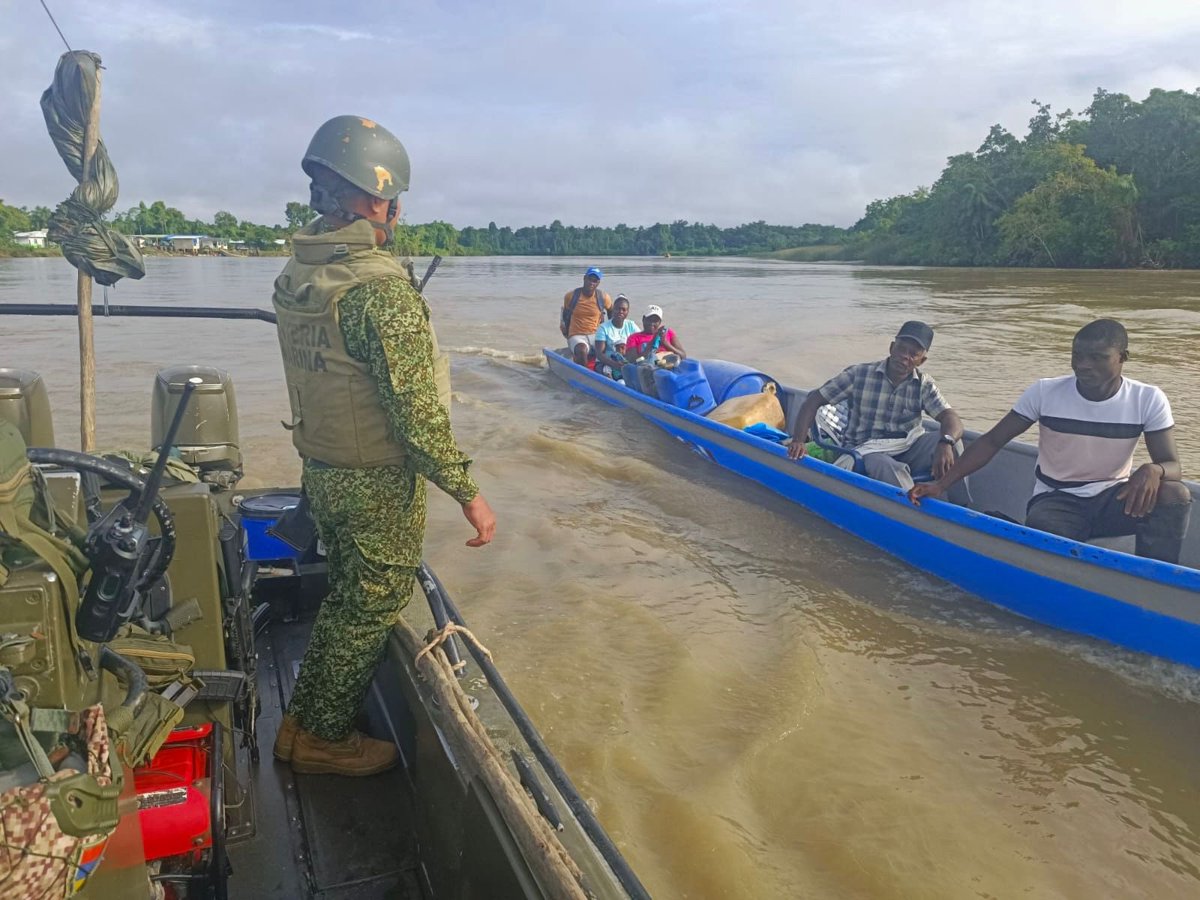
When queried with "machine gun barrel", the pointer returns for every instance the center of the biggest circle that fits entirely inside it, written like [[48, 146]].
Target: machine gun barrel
[[433, 264]]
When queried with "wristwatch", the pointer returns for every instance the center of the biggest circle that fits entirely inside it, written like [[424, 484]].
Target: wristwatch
[[948, 439]]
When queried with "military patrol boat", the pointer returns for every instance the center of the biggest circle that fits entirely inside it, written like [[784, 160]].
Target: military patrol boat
[[152, 618]]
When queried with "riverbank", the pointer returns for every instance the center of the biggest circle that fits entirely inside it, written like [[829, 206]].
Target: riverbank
[[28, 252], [36, 252], [814, 253], [214, 254]]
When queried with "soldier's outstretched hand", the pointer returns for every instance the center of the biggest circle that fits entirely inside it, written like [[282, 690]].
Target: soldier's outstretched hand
[[482, 519]]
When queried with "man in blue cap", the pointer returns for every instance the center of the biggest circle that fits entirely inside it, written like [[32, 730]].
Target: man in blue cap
[[583, 312]]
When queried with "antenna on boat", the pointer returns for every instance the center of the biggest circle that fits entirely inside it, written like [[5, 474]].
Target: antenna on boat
[[119, 547], [55, 24]]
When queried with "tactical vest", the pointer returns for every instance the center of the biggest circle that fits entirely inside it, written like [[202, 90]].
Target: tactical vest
[[337, 416]]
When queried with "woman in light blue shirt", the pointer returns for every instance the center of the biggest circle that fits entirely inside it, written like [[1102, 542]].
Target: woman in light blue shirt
[[611, 337]]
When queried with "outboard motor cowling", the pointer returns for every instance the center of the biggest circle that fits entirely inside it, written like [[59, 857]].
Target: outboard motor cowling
[[208, 435]]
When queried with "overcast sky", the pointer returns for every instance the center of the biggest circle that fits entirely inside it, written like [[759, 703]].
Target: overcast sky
[[525, 111]]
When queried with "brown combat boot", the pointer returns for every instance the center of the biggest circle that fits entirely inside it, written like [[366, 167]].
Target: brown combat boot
[[355, 756], [285, 737]]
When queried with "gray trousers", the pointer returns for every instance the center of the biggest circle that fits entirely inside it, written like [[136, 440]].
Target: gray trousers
[[918, 458]]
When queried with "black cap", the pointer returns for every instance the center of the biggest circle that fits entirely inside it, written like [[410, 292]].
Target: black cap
[[917, 331]]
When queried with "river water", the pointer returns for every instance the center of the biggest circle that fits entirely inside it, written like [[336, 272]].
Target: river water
[[756, 704]]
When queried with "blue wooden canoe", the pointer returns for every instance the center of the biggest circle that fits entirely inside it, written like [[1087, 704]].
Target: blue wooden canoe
[[1100, 591]]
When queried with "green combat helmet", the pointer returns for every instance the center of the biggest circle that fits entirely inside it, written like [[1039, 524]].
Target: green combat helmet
[[365, 154]]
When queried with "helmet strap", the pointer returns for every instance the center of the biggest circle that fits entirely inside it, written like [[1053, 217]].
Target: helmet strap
[[326, 203], [388, 231]]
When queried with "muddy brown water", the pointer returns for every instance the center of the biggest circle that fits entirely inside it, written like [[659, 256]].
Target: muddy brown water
[[756, 704]]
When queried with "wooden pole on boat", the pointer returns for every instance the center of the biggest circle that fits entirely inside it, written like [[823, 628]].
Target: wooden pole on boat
[[83, 293]]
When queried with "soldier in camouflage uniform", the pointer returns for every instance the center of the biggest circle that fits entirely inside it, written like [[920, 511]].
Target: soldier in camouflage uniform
[[370, 396]]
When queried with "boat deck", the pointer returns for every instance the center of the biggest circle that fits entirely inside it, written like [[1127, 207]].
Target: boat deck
[[319, 836]]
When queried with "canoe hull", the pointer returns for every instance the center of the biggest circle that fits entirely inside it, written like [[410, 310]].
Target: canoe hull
[[1141, 604]]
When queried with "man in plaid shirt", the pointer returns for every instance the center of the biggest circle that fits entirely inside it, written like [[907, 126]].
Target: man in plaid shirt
[[887, 400]]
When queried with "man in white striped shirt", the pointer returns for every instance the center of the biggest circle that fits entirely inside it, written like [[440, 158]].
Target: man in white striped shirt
[[1089, 424]]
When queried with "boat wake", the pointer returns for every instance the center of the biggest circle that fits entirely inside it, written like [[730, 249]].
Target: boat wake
[[536, 360], [599, 462], [979, 624], [1176, 680]]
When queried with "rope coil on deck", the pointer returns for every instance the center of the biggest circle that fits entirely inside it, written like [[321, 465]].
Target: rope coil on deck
[[547, 858], [435, 639]]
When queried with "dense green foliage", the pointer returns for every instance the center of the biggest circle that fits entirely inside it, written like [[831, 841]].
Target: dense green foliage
[[556, 239], [12, 220], [678, 238], [1118, 185], [158, 218], [298, 215]]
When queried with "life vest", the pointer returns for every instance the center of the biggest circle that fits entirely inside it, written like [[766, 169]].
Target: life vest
[[45, 858], [337, 416]]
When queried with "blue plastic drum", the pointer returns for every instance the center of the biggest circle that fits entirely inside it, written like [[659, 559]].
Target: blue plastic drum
[[730, 379], [260, 513]]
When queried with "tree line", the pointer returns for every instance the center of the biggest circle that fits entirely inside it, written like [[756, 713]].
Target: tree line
[[1114, 186], [442, 238], [18, 218], [158, 218], [556, 239]]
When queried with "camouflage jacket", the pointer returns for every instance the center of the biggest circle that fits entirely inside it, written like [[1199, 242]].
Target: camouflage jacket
[[385, 325]]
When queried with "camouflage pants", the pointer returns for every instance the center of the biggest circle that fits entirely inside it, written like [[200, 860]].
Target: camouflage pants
[[372, 522]]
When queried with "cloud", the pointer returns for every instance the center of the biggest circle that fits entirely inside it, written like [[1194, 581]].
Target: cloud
[[320, 31], [628, 111]]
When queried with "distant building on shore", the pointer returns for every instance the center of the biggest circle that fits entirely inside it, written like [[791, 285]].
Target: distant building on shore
[[200, 243], [186, 243], [191, 243], [30, 238]]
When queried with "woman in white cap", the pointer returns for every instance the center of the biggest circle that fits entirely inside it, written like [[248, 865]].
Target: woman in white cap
[[653, 339]]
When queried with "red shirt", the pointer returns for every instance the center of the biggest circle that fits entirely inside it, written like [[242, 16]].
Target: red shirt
[[637, 342]]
